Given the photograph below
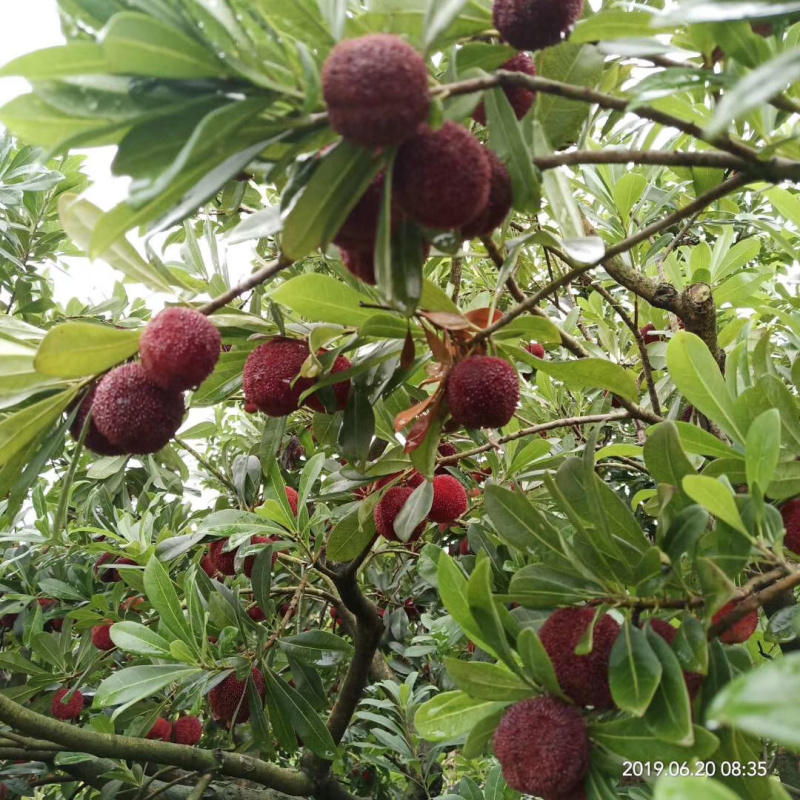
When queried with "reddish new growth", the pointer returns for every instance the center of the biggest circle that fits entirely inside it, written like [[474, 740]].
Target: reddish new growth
[[387, 511], [101, 637], [740, 631], [542, 745], [482, 392], [66, 707], [135, 414], [536, 24], [583, 678], [162, 729], [791, 521], [376, 90], [179, 349], [187, 730], [231, 694], [521, 99]]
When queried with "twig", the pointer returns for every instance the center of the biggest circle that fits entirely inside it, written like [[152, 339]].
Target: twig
[[204, 462]]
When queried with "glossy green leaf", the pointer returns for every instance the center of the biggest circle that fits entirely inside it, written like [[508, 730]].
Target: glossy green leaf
[[137, 683], [634, 671], [133, 637], [163, 597], [450, 715], [716, 498], [320, 648], [763, 448], [485, 681]]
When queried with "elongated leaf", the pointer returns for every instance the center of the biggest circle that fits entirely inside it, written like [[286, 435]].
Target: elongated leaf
[[136, 638], [716, 498], [162, 595], [486, 681], [763, 448], [137, 683], [634, 671], [76, 58], [588, 373], [316, 647], [452, 714], [537, 663], [320, 298]]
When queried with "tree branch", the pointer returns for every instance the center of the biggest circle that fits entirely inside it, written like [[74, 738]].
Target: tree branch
[[661, 158]]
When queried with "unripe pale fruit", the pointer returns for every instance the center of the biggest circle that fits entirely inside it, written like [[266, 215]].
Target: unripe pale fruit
[[162, 729], [791, 521], [101, 637], [226, 696], [94, 441], [187, 730], [179, 349], [482, 392], [536, 24], [442, 178], [135, 414], [521, 99], [501, 198], [387, 510], [449, 499], [376, 90], [64, 708], [740, 631], [542, 745], [584, 678]]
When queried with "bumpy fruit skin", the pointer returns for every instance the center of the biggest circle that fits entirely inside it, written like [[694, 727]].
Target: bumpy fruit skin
[[694, 680], [250, 561], [293, 498], [222, 560], [536, 24], [740, 631], [341, 390], [71, 709], [269, 377], [584, 679], [387, 510], [208, 566], [376, 90], [256, 614], [134, 413], [101, 637], [521, 99], [360, 229], [94, 440], [179, 349], [482, 392], [442, 178], [791, 521], [542, 745], [535, 349], [187, 730], [361, 263], [162, 729], [501, 198], [648, 335], [446, 449], [225, 697], [449, 499]]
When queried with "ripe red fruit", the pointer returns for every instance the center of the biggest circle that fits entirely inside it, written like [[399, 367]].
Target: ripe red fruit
[[376, 90], [269, 376], [46, 602], [501, 197], [694, 680], [226, 696], [162, 729], [360, 229], [521, 99], [69, 709], [536, 24], [94, 440], [412, 609], [648, 336], [791, 521], [134, 413], [535, 349], [250, 561], [387, 510], [7, 621], [101, 637], [446, 449], [208, 566], [256, 614], [361, 263], [740, 631], [582, 678], [250, 408], [187, 730], [442, 178], [449, 499], [223, 561], [463, 547], [542, 745], [179, 348], [482, 392], [341, 390], [293, 498]]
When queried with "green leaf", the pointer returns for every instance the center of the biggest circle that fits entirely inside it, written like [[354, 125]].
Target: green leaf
[[485, 681], [132, 637], [320, 298], [75, 349], [763, 448], [161, 593], [436, 299], [80, 218], [702, 443], [438, 18], [684, 531], [414, 511], [310, 728], [336, 185], [664, 456], [450, 715], [351, 535], [358, 426], [587, 373], [612, 24], [76, 58], [537, 663], [538, 586], [316, 647], [696, 374], [137, 683], [630, 739], [634, 671], [694, 788], [763, 702], [717, 498]]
